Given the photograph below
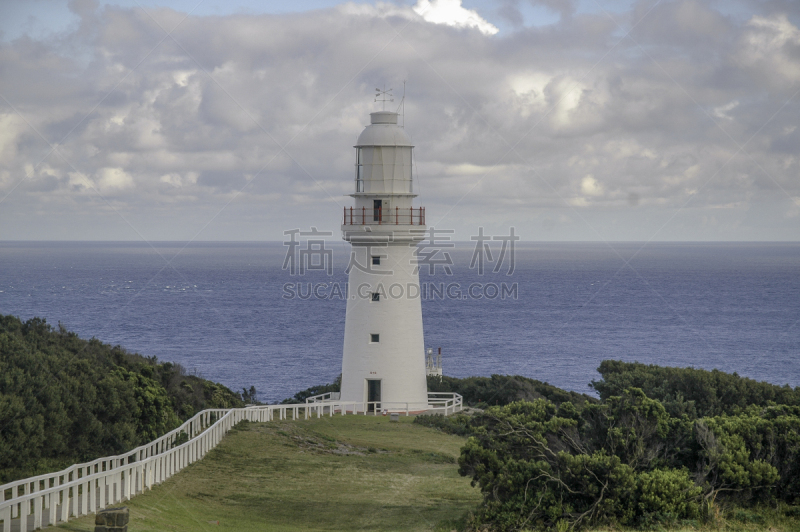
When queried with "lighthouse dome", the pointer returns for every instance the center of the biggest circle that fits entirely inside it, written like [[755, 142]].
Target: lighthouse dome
[[383, 131], [384, 158]]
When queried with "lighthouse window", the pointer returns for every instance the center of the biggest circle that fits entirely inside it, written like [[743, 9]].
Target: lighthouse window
[[376, 296], [359, 171], [376, 261], [374, 338]]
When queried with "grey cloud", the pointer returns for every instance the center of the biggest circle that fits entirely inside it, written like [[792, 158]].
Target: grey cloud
[[509, 11], [536, 126], [565, 8], [222, 180], [690, 25]]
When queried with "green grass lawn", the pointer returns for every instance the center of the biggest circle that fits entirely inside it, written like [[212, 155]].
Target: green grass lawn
[[339, 473], [342, 473]]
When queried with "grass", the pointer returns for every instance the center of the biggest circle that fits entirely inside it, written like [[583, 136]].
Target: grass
[[341, 473], [348, 473]]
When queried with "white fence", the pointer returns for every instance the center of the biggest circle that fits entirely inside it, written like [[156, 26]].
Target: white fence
[[328, 396], [83, 489], [445, 403]]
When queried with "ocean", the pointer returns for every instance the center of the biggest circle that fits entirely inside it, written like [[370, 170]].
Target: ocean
[[243, 314]]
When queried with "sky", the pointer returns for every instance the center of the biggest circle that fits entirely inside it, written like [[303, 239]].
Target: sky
[[568, 120]]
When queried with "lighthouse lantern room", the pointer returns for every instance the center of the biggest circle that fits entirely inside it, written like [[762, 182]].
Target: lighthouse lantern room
[[383, 361]]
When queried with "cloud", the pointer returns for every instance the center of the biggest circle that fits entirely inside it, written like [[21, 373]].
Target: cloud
[[248, 121], [566, 8], [723, 110], [110, 179], [590, 186], [11, 127], [695, 24], [770, 47], [451, 13]]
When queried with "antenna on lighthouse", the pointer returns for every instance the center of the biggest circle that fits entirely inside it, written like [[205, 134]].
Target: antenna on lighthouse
[[383, 96], [403, 105]]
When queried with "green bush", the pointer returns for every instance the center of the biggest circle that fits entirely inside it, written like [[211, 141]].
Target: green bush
[[734, 456], [623, 461], [541, 465], [301, 396], [667, 495], [483, 392], [455, 424], [65, 400], [694, 392]]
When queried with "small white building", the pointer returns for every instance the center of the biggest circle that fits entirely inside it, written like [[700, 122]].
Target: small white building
[[383, 363]]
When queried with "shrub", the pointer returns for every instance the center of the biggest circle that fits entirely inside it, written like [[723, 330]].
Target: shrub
[[694, 392], [65, 400], [667, 495], [455, 424]]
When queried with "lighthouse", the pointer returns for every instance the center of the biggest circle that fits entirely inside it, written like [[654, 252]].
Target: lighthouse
[[383, 360]]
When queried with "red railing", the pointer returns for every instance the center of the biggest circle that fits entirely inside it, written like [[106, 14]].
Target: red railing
[[382, 216]]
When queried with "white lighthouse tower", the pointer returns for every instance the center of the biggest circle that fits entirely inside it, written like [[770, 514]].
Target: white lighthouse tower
[[383, 363]]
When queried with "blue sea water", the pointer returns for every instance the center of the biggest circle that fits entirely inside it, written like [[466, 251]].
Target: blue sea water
[[223, 309]]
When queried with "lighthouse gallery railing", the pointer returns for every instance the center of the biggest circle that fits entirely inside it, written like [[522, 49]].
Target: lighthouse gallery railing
[[384, 216], [83, 489]]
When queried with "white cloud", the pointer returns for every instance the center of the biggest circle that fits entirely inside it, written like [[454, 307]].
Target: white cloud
[[590, 186], [109, 179], [769, 46], [518, 128], [469, 169], [177, 180], [11, 127], [452, 13]]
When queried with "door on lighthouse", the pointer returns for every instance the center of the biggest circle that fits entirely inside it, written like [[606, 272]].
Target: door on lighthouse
[[376, 210], [373, 395]]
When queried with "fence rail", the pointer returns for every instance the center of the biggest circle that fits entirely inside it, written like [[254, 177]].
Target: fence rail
[[440, 402], [327, 396], [82, 489], [384, 216]]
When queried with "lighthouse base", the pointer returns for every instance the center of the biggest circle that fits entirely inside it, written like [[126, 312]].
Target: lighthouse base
[[383, 359]]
